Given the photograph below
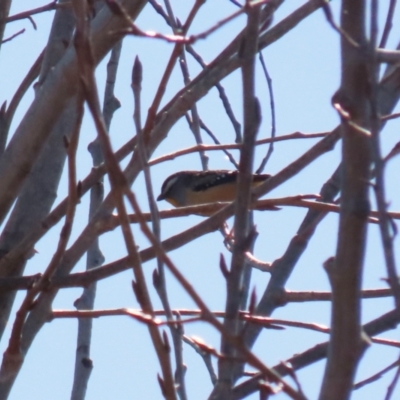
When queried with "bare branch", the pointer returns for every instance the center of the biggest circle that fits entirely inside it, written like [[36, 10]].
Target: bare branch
[[28, 14]]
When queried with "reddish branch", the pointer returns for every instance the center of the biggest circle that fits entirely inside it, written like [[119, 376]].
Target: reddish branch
[[27, 14], [345, 271]]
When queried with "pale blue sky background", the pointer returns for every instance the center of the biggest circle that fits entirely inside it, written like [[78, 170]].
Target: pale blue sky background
[[305, 68]]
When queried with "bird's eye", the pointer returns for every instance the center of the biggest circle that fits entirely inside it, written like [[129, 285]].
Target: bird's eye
[[169, 183]]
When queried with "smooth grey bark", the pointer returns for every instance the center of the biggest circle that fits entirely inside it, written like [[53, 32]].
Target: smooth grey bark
[[51, 100], [29, 140], [95, 258], [40, 189]]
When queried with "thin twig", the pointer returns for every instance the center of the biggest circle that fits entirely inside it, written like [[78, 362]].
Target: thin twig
[[329, 17], [208, 147], [376, 376], [194, 121], [181, 39], [119, 186], [157, 7], [388, 24], [206, 356], [237, 287], [197, 315], [27, 14], [217, 142], [32, 74], [13, 36], [222, 94], [13, 351], [207, 315], [273, 118], [83, 363], [315, 354], [391, 387], [159, 280], [387, 229], [390, 116]]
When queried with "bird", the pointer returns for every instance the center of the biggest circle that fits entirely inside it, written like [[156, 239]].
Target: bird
[[190, 188]]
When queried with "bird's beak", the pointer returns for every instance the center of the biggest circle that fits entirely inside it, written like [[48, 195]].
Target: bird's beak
[[160, 197]]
